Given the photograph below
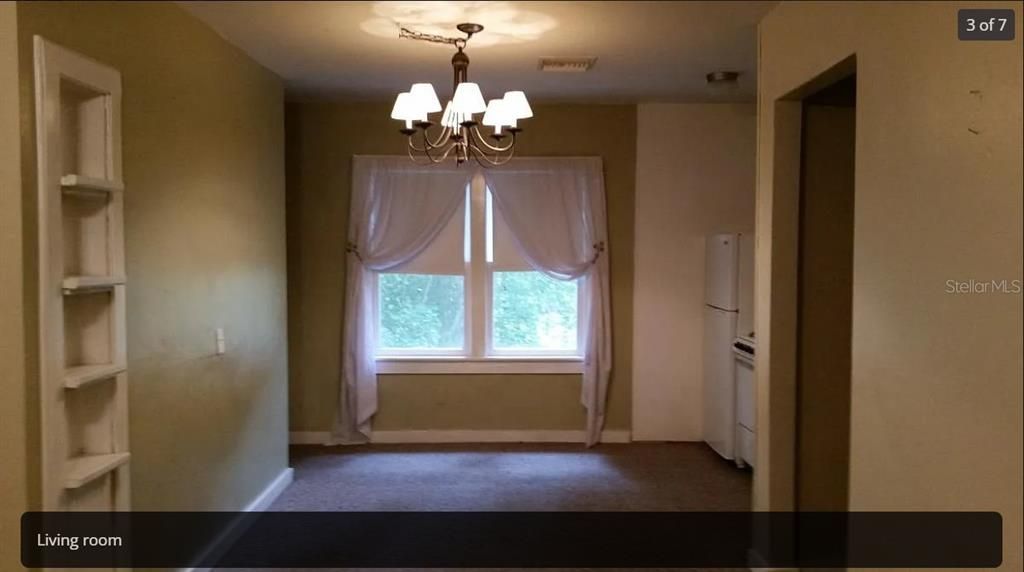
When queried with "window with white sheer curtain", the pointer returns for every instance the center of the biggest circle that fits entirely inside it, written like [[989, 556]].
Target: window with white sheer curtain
[[471, 302], [421, 307], [504, 271]]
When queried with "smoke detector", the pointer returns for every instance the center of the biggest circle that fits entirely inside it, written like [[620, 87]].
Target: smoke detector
[[566, 65]]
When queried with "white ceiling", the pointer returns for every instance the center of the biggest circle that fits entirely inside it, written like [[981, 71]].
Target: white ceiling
[[646, 51]]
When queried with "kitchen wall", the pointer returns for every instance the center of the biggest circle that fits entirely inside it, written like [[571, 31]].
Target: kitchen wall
[[694, 177], [321, 139], [203, 149], [14, 473], [936, 377]]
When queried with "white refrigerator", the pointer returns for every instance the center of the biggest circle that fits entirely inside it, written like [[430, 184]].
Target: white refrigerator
[[722, 301]]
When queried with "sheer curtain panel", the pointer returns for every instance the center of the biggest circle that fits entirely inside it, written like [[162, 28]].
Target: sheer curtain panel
[[555, 209], [397, 209]]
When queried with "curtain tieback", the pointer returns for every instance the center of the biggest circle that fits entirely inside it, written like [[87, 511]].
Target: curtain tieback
[[351, 247], [598, 249]]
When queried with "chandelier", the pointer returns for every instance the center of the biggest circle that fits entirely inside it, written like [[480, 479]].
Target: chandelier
[[459, 133]]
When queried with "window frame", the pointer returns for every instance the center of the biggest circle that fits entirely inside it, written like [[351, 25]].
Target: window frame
[[478, 354]]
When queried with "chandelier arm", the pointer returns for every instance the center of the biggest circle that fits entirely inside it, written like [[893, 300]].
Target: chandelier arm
[[444, 154], [415, 157], [413, 147], [425, 151], [481, 157], [429, 146], [484, 162], [431, 159], [417, 161], [496, 148], [442, 138]]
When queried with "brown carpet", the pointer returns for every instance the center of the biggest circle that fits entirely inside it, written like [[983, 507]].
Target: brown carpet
[[514, 477]]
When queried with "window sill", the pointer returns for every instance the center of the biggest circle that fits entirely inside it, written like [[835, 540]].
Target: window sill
[[494, 365]]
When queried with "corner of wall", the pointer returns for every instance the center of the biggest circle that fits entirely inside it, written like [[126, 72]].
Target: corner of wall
[[15, 494]]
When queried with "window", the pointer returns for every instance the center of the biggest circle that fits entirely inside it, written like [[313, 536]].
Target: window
[[471, 298], [422, 308], [421, 312], [533, 313], [529, 313]]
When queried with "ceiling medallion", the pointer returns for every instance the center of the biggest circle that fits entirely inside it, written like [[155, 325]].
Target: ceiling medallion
[[459, 134]]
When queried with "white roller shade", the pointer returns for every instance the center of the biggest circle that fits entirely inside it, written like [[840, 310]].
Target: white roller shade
[[502, 252], [446, 255]]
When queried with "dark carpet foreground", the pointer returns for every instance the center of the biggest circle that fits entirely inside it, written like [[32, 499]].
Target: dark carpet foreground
[[514, 477]]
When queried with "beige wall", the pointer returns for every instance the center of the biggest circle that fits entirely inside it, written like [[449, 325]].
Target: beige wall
[[694, 177], [322, 137], [203, 136], [14, 489], [936, 377]]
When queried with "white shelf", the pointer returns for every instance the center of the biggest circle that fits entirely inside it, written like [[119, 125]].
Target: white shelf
[[84, 469], [78, 376], [81, 299], [73, 284], [83, 183]]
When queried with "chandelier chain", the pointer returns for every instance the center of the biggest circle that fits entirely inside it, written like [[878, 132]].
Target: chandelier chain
[[408, 34]]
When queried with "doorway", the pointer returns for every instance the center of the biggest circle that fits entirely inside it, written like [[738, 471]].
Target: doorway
[[824, 297], [807, 382], [805, 388]]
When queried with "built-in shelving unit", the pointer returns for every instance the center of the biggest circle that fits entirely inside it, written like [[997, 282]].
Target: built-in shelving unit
[[80, 284], [83, 365], [83, 375], [87, 468], [83, 183]]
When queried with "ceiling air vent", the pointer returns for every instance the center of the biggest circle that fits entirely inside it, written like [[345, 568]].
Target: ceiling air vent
[[566, 65]]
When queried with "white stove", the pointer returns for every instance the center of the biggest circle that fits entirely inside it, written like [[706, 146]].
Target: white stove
[[743, 349]]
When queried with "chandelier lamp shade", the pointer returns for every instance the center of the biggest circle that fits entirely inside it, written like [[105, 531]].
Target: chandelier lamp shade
[[457, 131]]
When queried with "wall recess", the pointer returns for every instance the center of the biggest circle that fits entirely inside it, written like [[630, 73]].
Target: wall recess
[[83, 364]]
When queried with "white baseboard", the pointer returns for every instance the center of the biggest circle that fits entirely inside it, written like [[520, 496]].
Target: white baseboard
[[270, 493], [466, 436], [220, 545]]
